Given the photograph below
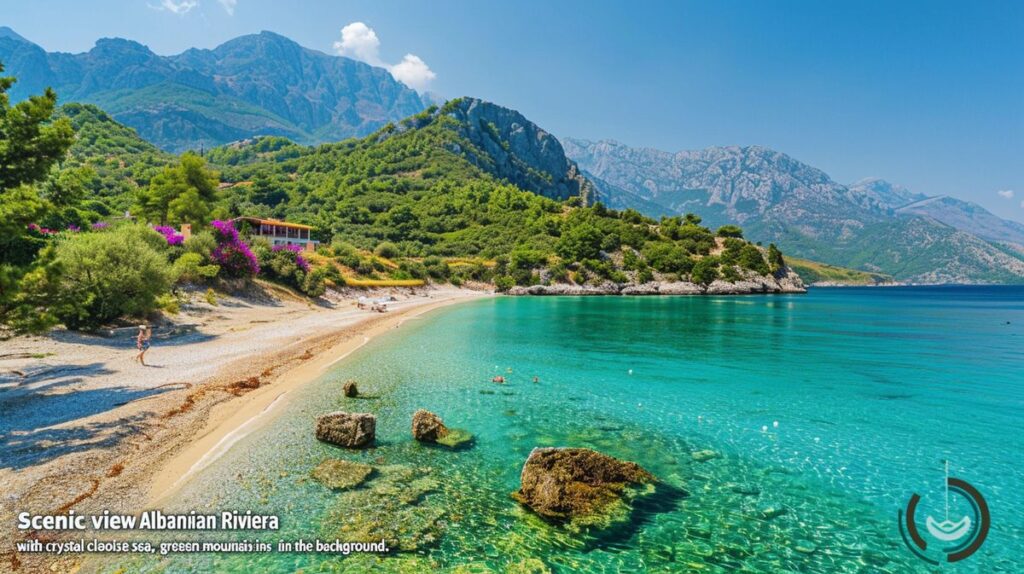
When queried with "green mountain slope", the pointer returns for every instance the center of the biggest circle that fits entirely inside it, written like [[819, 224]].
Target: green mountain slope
[[470, 181], [871, 226], [260, 84]]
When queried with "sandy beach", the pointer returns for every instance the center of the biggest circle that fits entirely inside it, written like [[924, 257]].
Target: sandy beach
[[85, 427]]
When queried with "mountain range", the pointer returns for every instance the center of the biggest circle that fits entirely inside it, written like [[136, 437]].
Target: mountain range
[[259, 84], [870, 225], [267, 85]]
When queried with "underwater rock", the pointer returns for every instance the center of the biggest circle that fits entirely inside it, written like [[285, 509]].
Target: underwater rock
[[528, 566], [352, 430], [575, 482], [396, 509], [745, 489], [704, 455], [771, 512], [341, 474], [455, 438], [350, 389], [427, 427]]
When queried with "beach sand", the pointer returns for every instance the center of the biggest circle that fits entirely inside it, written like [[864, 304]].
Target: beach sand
[[85, 427]]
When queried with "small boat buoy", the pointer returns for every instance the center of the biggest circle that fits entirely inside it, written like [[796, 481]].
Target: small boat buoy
[[764, 428], [631, 371], [775, 424]]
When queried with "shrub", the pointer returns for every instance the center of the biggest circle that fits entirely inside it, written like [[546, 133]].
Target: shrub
[[775, 260], [169, 303], [503, 283], [235, 258], [667, 258], [190, 268], [751, 258], [170, 234], [705, 271], [110, 275], [387, 250], [202, 243], [579, 242], [211, 297], [730, 231]]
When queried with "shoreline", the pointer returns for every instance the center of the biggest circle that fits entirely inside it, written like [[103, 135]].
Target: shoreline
[[231, 421], [134, 432]]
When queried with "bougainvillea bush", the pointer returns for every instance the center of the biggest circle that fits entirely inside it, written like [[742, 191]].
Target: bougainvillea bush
[[285, 264], [233, 255], [170, 234]]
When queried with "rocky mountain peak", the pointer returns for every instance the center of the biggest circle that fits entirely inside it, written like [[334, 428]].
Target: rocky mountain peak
[[518, 150]]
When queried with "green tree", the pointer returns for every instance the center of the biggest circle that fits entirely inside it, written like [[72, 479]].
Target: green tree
[[579, 242], [179, 194], [31, 143], [705, 271], [775, 260], [751, 258], [730, 231], [109, 275]]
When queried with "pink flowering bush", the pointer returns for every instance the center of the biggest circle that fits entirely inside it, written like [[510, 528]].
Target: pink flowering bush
[[233, 255], [285, 264], [170, 234], [297, 250]]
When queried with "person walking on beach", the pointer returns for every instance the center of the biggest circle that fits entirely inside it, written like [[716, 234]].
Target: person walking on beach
[[142, 343]]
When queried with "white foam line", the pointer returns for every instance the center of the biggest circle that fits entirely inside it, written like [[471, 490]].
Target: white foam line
[[229, 440]]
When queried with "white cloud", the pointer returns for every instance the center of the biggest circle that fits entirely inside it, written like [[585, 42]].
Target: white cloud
[[229, 6], [413, 72], [360, 42], [179, 7], [1005, 193]]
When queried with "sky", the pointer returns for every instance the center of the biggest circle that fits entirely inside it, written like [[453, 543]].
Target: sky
[[926, 94]]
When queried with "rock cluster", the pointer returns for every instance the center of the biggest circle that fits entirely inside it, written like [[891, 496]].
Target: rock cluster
[[352, 430], [783, 282], [565, 483]]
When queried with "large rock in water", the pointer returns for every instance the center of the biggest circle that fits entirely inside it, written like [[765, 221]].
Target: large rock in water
[[566, 483], [427, 427], [352, 430]]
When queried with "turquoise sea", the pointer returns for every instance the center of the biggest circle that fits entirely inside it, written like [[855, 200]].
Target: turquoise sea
[[827, 411]]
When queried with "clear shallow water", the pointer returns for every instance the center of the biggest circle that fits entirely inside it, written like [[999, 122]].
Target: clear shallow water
[[872, 389]]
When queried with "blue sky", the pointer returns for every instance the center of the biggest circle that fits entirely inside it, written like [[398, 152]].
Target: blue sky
[[929, 95]]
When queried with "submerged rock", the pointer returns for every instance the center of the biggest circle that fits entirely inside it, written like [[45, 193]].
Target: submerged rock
[[396, 508], [456, 438], [704, 455], [427, 427], [350, 389], [576, 482], [352, 430], [341, 474]]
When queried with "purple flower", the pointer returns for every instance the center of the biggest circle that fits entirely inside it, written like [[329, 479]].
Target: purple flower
[[170, 234], [100, 225], [74, 228], [232, 254], [225, 231], [34, 227], [296, 249]]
